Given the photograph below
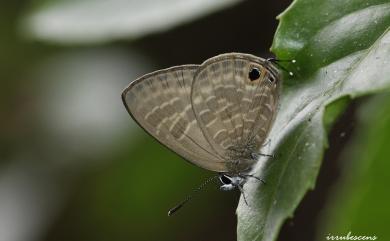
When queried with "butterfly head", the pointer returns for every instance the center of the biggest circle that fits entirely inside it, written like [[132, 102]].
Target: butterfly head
[[231, 182]]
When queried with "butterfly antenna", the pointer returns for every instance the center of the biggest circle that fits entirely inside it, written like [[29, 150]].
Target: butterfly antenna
[[189, 197], [277, 61]]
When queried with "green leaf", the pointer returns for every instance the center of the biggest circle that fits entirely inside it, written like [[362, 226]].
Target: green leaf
[[360, 203], [342, 49], [91, 21]]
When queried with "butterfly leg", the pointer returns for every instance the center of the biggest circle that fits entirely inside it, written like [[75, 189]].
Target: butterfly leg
[[243, 194], [257, 155], [252, 176], [267, 142]]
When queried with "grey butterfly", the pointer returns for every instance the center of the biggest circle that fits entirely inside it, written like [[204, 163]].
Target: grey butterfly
[[216, 115]]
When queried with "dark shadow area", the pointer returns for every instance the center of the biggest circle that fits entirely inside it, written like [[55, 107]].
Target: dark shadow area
[[248, 27]]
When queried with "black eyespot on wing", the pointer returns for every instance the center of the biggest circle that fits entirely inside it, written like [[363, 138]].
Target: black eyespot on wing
[[254, 74], [225, 179]]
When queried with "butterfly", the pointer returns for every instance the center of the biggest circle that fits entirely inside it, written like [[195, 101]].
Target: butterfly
[[216, 115]]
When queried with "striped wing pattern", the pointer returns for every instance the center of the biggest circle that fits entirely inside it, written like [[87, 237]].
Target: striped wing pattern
[[234, 112], [211, 114], [160, 103]]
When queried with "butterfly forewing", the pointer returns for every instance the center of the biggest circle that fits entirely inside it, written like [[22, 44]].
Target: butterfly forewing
[[160, 102], [235, 112]]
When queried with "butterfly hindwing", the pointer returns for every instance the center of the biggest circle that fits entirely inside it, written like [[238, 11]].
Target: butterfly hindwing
[[234, 111]]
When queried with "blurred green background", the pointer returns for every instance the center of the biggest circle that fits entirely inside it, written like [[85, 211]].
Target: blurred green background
[[74, 166]]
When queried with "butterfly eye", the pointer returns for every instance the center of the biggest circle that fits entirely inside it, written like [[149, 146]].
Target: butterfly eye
[[225, 180], [254, 74]]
